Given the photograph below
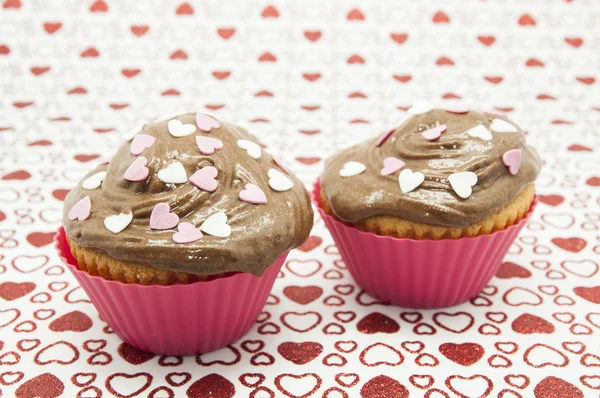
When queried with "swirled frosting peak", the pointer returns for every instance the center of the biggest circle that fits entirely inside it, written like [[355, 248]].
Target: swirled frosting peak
[[192, 194], [447, 167]]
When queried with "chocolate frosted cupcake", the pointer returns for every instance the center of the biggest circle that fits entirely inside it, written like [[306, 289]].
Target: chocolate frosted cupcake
[[449, 176], [187, 199]]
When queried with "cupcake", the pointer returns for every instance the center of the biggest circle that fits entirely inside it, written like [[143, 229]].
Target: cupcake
[[179, 237], [424, 214]]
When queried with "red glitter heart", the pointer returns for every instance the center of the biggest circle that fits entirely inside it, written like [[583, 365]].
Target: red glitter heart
[[148, 377], [573, 245], [529, 324], [84, 158], [383, 386], [252, 380], [44, 385], [39, 239], [11, 291], [511, 270], [311, 243], [551, 200], [377, 322], [300, 353], [591, 294], [554, 387], [177, 379], [303, 294], [17, 175], [134, 355], [75, 321], [307, 380], [465, 354]]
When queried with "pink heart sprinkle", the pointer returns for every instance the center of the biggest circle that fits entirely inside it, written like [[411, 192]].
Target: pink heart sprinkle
[[208, 145], [391, 165], [205, 179], [141, 142], [253, 194], [383, 137], [459, 109], [137, 171], [206, 123], [82, 209], [434, 133], [187, 233], [512, 160], [160, 218]]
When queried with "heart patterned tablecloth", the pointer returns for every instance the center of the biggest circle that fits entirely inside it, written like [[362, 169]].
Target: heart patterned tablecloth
[[309, 78]]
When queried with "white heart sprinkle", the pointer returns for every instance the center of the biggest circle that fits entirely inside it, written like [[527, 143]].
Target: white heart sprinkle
[[216, 225], [94, 181], [480, 131], [419, 107], [128, 136], [462, 183], [352, 168], [178, 129], [278, 181], [502, 126], [173, 173], [118, 222], [252, 148], [168, 116], [410, 180]]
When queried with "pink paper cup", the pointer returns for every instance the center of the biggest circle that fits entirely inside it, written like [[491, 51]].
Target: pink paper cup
[[176, 319], [420, 273]]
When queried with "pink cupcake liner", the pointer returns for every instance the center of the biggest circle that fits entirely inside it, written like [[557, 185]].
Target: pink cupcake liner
[[420, 273], [176, 319]]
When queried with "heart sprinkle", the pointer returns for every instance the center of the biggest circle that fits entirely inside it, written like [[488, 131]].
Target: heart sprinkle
[[173, 174], [391, 165], [502, 126], [383, 137], [208, 145], [480, 131], [420, 107], [118, 222], [458, 109], [161, 218], [81, 210], [137, 170], [206, 123], [252, 148], [434, 133], [462, 183], [205, 179], [352, 168], [187, 233], [140, 143], [278, 181], [253, 194], [216, 225], [512, 160], [410, 180], [133, 132], [168, 116], [178, 129], [94, 181]]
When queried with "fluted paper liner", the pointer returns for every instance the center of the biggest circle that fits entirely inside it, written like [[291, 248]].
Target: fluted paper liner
[[420, 273], [176, 319]]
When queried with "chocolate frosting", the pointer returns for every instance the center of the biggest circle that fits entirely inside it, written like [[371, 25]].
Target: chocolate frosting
[[259, 233], [434, 202]]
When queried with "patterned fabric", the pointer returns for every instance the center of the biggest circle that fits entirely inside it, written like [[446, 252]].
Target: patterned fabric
[[308, 78]]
